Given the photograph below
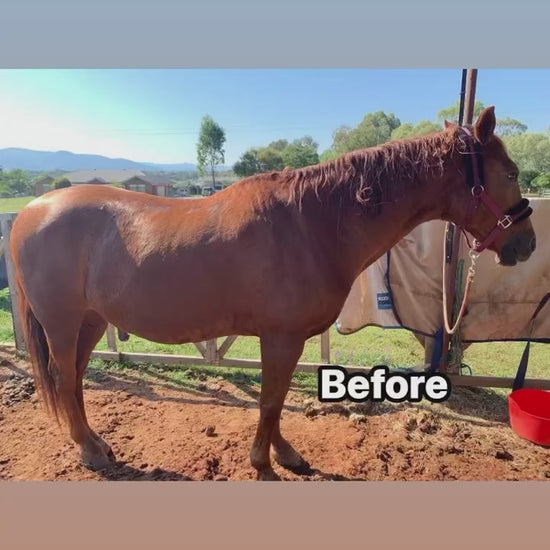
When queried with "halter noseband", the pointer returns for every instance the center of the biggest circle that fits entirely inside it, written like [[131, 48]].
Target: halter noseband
[[474, 167]]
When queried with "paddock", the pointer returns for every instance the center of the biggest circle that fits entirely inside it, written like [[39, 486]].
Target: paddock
[[274, 290], [180, 424], [192, 417]]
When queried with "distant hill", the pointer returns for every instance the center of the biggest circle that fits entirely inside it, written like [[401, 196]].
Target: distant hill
[[46, 161]]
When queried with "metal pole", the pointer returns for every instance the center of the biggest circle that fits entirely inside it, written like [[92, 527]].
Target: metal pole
[[470, 96], [452, 241], [462, 96]]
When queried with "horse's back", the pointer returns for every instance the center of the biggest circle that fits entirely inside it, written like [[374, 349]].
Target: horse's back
[[170, 269]]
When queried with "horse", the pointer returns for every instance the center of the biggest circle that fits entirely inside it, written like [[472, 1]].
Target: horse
[[273, 255]]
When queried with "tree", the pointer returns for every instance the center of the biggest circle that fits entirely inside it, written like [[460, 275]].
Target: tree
[[248, 164], [15, 182], [529, 151], [210, 150], [374, 129], [279, 145], [542, 181], [257, 161], [328, 154], [61, 183], [270, 159], [307, 141], [423, 128], [451, 113], [342, 140], [278, 154], [526, 177], [510, 127], [301, 153]]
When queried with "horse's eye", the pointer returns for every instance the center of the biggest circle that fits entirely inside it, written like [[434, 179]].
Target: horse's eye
[[513, 176]]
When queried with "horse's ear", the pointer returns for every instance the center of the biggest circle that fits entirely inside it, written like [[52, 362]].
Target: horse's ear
[[448, 124], [485, 125]]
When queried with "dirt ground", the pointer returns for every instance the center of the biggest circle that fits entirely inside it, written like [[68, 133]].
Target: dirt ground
[[161, 431]]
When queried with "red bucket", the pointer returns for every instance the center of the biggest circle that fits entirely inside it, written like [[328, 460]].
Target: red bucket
[[530, 408], [530, 415]]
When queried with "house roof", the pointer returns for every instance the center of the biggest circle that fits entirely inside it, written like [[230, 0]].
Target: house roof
[[116, 176], [107, 176], [152, 179]]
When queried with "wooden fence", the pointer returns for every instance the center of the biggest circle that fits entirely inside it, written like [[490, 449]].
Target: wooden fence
[[213, 354]]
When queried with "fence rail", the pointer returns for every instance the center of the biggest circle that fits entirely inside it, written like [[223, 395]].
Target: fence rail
[[212, 354]]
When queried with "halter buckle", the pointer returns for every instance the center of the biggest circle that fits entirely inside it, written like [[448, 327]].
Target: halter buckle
[[505, 222], [477, 190]]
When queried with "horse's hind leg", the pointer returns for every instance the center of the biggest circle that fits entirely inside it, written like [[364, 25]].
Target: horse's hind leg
[[285, 454], [62, 340], [92, 329], [280, 353]]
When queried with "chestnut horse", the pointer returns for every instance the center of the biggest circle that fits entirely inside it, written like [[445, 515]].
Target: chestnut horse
[[274, 256]]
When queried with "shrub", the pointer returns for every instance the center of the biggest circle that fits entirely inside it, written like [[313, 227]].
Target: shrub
[[60, 183]]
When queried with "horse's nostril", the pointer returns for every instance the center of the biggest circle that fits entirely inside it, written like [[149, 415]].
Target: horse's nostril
[[533, 244]]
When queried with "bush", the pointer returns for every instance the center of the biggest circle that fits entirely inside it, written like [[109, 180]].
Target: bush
[[541, 182], [526, 178], [61, 183], [15, 182]]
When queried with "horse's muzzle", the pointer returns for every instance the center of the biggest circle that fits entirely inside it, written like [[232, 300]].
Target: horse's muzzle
[[517, 249]]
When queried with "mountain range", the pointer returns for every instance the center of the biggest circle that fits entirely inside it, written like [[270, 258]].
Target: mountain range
[[52, 161]]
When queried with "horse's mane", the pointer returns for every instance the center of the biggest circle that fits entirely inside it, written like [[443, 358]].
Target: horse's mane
[[374, 176]]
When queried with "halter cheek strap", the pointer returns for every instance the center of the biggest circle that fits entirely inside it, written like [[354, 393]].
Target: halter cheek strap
[[505, 220]]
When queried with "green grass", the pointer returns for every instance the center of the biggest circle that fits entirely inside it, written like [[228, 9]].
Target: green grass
[[370, 346], [193, 378], [14, 204], [6, 323], [365, 348]]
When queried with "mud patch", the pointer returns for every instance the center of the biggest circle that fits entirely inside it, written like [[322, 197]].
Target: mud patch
[[160, 430], [16, 389]]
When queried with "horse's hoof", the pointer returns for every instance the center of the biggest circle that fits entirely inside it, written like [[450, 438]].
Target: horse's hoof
[[292, 460], [107, 450], [268, 475], [97, 460], [301, 469]]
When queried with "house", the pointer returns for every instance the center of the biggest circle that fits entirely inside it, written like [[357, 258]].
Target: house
[[195, 190], [100, 177], [134, 180], [148, 183], [43, 185]]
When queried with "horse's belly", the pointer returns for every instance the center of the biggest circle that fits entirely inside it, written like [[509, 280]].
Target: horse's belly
[[217, 292], [172, 318]]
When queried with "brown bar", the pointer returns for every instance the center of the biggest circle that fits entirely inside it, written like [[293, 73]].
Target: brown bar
[[6, 222]]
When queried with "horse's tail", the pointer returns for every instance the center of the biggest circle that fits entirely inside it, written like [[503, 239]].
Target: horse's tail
[[39, 350]]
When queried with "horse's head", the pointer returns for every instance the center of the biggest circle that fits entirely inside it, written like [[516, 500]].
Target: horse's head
[[490, 206]]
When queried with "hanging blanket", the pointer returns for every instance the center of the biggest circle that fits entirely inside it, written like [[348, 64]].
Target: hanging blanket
[[404, 288]]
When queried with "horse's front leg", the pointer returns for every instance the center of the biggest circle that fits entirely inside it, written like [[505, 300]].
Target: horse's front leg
[[280, 353], [286, 455]]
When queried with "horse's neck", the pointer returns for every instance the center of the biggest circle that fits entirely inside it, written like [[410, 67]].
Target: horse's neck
[[360, 237]]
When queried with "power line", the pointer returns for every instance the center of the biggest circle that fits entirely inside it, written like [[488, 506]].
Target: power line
[[176, 131]]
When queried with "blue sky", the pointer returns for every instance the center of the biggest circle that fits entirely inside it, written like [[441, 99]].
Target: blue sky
[[155, 115]]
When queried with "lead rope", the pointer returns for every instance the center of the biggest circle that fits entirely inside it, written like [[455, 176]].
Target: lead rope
[[469, 280], [455, 351]]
